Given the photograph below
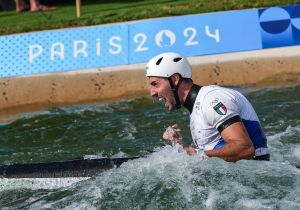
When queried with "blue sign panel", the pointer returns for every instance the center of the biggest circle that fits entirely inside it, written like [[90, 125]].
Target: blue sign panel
[[280, 26], [195, 35], [129, 43], [63, 50]]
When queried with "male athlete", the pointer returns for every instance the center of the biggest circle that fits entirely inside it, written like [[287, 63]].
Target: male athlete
[[222, 121]]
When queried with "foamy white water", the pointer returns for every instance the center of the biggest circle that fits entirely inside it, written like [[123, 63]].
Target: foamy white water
[[38, 183], [169, 179]]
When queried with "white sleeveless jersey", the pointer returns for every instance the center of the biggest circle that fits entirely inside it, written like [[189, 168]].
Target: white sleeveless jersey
[[213, 106]]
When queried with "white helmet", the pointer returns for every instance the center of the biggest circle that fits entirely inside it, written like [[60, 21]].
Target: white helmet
[[167, 64]]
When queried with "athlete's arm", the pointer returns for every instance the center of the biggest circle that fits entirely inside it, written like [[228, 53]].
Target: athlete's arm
[[239, 145], [222, 112]]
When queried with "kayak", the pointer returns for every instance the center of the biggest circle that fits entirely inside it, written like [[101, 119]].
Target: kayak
[[55, 174]]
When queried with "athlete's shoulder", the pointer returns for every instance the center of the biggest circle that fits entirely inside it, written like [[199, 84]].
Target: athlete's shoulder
[[218, 105], [213, 92]]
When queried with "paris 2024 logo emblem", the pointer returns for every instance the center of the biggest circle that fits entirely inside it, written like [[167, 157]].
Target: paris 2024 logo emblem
[[280, 26]]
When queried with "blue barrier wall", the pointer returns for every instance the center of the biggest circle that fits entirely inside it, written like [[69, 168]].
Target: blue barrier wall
[[195, 35], [134, 42]]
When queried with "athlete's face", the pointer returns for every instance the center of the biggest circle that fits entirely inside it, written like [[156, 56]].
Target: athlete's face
[[160, 89]]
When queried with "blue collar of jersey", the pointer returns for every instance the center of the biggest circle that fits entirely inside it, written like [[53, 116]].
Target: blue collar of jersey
[[191, 97]]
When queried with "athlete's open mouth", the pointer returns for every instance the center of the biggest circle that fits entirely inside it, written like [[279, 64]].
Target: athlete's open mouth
[[161, 99]]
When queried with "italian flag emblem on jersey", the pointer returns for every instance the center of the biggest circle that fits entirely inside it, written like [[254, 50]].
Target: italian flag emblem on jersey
[[220, 108]]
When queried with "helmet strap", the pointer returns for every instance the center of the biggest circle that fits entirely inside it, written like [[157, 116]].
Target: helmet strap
[[175, 90]]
